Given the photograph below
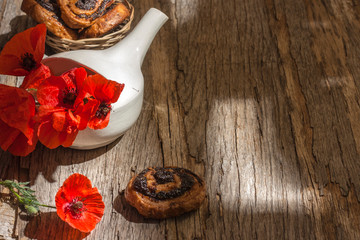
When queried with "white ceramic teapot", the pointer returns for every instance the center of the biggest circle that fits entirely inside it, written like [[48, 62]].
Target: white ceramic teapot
[[121, 63]]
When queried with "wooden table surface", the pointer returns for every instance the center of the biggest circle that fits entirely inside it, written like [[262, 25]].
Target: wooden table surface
[[259, 97]]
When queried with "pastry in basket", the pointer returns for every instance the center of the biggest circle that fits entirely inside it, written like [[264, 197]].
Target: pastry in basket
[[47, 11], [165, 192], [79, 14], [114, 16]]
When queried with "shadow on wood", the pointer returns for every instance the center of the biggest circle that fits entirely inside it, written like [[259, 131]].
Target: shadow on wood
[[8, 199], [45, 161], [49, 226], [131, 214], [128, 212], [17, 24]]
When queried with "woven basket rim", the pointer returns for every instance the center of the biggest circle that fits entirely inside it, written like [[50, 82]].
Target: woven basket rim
[[111, 37]]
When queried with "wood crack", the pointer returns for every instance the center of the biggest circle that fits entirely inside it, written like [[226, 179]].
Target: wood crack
[[2, 13]]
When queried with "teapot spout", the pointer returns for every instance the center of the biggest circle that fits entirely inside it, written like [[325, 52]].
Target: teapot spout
[[137, 43]]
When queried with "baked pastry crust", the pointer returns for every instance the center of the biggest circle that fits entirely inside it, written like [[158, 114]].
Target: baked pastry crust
[[49, 17], [165, 192], [114, 16], [78, 14]]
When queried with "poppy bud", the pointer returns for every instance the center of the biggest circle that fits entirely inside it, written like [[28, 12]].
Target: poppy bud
[[8, 182], [31, 210]]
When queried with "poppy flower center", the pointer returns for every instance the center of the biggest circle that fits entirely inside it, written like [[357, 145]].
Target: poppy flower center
[[75, 208], [28, 62], [69, 96], [103, 110]]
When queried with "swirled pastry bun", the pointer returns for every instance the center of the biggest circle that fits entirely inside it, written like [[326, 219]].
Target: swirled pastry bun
[[47, 11], [114, 16], [165, 192], [82, 13]]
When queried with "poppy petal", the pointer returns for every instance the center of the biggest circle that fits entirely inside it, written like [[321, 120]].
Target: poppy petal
[[103, 89], [58, 121], [56, 127], [36, 77], [49, 91], [37, 39], [62, 90], [21, 147], [86, 109], [13, 141], [85, 224], [106, 92], [10, 65], [17, 108], [80, 76], [70, 78], [67, 138], [48, 136], [8, 135], [99, 123], [44, 112], [77, 182], [51, 138]]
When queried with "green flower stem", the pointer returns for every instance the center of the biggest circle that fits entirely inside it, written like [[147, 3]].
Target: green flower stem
[[20, 199], [48, 206], [24, 195]]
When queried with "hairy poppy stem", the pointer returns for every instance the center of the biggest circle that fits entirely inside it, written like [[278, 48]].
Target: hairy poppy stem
[[48, 206], [25, 196], [16, 195]]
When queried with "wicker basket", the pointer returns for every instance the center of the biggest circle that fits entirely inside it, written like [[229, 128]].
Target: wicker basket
[[108, 40]]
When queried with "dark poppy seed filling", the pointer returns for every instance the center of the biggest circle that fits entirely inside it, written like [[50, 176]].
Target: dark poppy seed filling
[[86, 4], [100, 11], [163, 176], [52, 6], [49, 5], [28, 62]]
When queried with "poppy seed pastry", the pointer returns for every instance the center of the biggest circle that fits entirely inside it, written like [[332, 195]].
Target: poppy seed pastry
[[80, 14], [114, 16], [47, 12], [165, 192]]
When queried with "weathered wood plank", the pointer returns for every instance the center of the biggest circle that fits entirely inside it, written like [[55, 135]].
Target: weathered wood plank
[[259, 97]]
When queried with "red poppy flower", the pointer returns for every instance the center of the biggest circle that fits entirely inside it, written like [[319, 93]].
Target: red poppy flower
[[103, 93], [24, 52], [62, 91], [17, 109], [57, 95], [79, 204]]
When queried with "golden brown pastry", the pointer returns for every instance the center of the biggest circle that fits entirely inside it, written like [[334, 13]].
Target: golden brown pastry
[[114, 16], [46, 11], [165, 192], [82, 13]]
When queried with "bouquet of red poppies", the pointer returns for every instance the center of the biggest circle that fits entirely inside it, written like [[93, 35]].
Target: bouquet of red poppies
[[47, 108]]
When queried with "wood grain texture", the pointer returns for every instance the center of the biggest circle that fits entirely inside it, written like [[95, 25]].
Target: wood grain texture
[[259, 97]]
